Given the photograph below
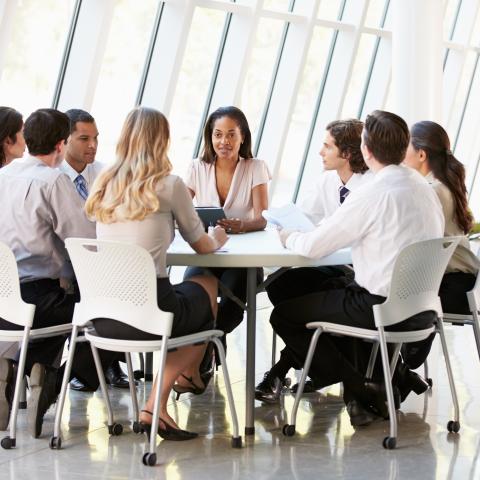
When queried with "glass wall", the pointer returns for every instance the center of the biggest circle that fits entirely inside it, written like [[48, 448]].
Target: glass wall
[[344, 71]]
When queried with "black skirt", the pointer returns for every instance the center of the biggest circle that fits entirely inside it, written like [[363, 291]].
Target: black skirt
[[189, 303]]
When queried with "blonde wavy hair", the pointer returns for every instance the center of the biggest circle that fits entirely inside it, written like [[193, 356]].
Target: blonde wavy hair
[[126, 190]]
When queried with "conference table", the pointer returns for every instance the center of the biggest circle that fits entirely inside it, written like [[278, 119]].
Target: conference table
[[250, 251]]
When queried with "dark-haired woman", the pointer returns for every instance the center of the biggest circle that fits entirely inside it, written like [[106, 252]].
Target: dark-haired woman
[[12, 143], [429, 153], [226, 175]]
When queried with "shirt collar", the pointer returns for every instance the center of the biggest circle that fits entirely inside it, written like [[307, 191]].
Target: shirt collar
[[387, 171], [353, 182], [65, 167]]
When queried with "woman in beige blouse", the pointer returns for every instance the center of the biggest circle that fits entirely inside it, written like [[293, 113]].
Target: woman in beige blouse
[[137, 200], [429, 153], [226, 175]]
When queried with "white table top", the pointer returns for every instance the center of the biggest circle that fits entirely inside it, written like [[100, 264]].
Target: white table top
[[254, 249]]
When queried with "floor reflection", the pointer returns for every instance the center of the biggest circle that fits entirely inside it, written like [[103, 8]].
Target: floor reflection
[[325, 444]]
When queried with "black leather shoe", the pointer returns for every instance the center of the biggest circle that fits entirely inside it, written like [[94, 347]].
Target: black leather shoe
[[269, 389], [406, 380], [374, 398], [115, 376], [309, 387], [79, 386], [359, 416], [413, 381]]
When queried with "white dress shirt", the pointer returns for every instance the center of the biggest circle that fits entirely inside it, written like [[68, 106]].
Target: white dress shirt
[[40, 207], [325, 198], [89, 173], [377, 220]]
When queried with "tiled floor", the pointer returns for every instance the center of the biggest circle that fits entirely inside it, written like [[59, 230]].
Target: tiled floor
[[325, 446]]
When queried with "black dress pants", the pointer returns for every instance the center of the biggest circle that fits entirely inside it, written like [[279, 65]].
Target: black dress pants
[[453, 296], [55, 307], [297, 282], [336, 359]]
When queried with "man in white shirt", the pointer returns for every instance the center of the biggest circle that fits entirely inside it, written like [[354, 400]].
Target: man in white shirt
[[80, 165], [40, 208], [377, 221], [344, 171]]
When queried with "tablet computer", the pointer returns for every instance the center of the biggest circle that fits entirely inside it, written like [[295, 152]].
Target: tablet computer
[[210, 215]]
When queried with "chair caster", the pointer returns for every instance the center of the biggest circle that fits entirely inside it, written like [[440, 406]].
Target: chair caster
[[453, 426], [237, 442], [430, 382], [149, 459], [138, 374], [389, 443], [288, 430], [55, 443], [8, 443], [115, 429], [137, 428]]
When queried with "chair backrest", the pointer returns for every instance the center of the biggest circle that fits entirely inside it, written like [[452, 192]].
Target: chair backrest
[[117, 281], [12, 308], [416, 278]]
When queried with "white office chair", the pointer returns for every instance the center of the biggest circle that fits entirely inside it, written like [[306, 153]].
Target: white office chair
[[14, 310], [118, 281], [416, 278]]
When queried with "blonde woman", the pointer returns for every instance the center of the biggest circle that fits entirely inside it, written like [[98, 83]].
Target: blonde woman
[[137, 200]]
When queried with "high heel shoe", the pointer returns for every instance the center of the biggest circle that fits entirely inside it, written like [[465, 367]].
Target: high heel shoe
[[192, 388], [169, 432]]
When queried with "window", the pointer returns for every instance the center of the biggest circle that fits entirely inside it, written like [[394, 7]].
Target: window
[[29, 75], [193, 83], [121, 70]]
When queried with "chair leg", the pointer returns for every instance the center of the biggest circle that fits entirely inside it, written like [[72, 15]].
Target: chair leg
[[10, 441], [133, 393], [372, 360], [113, 428], [55, 441], [236, 438], [390, 441], [150, 458], [476, 330], [274, 348], [453, 425], [394, 361], [289, 430]]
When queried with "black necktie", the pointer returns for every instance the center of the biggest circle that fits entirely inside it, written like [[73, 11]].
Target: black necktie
[[344, 191]]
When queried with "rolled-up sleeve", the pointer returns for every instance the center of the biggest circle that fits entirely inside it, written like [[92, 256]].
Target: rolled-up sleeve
[[260, 173]]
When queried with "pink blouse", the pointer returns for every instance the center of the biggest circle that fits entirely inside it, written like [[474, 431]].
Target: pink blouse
[[239, 202]]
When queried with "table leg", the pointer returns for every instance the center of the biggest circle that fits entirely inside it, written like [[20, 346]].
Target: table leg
[[250, 367], [148, 366]]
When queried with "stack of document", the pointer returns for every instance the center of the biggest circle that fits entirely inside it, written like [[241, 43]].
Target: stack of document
[[290, 217]]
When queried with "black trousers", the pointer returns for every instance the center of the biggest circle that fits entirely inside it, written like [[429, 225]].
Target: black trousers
[[298, 282], [453, 296], [55, 307], [229, 314], [336, 359]]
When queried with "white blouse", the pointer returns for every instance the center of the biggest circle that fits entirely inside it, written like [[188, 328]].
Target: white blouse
[[249, 173]]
